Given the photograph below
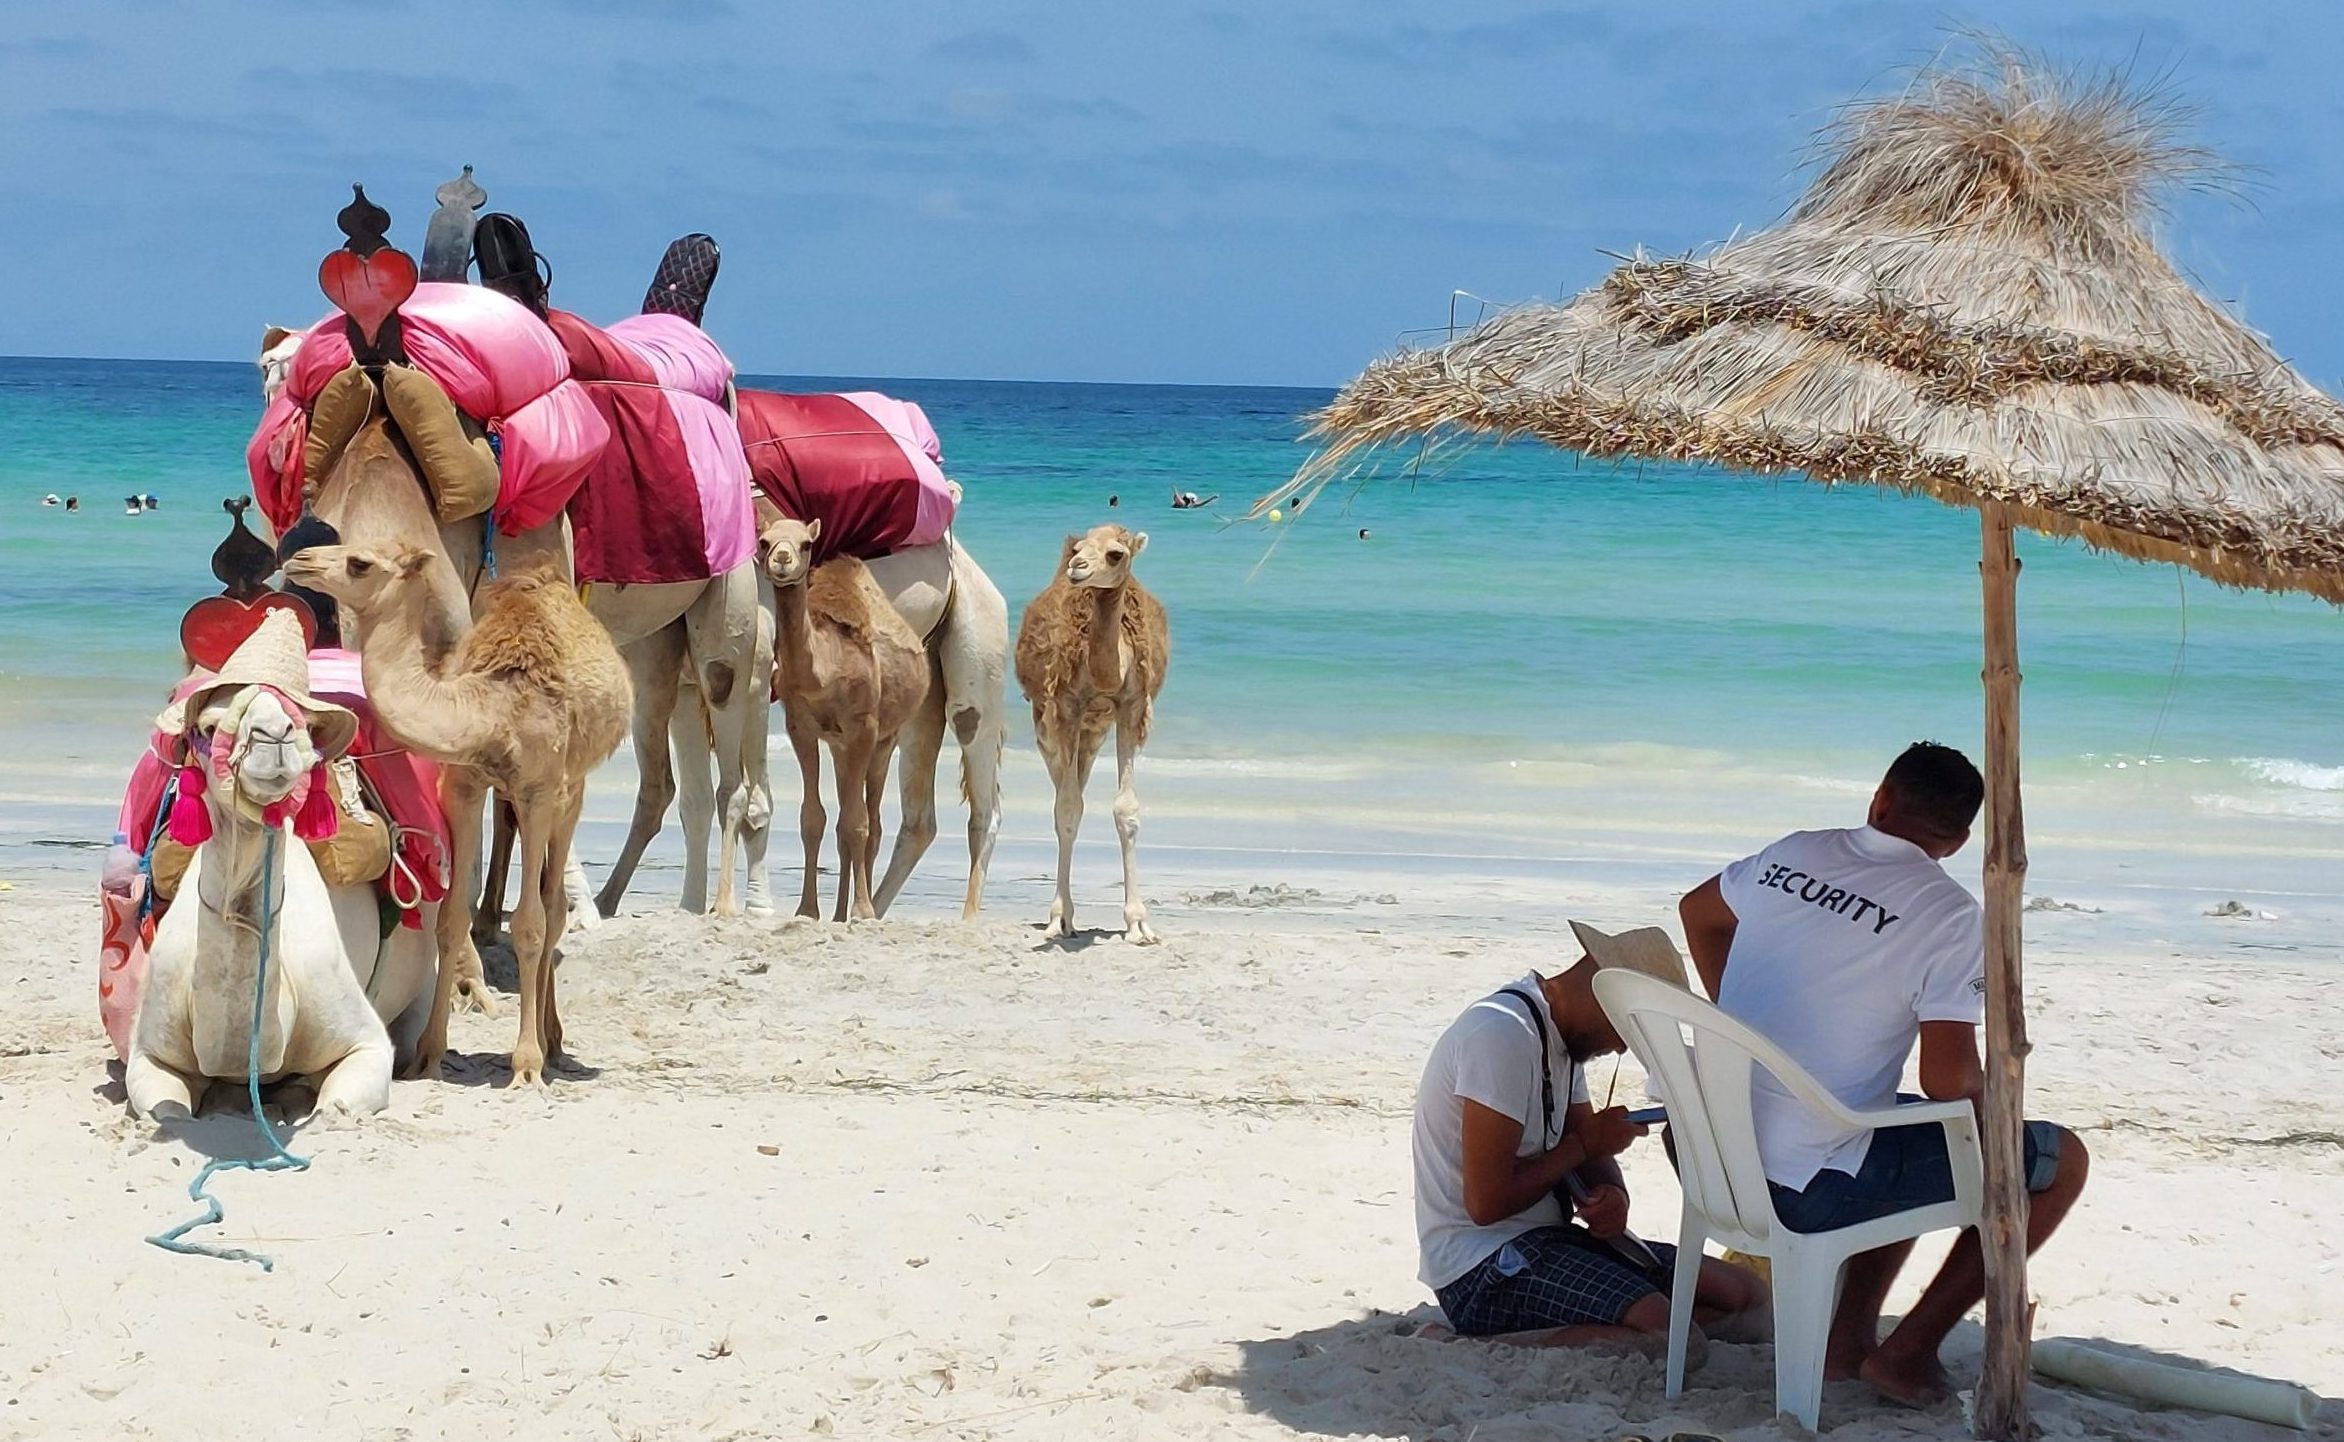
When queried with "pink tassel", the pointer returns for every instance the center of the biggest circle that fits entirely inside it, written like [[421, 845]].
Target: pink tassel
[[191, 819], [319, 818]]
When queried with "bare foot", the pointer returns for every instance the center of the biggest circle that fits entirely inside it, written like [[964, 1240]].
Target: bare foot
[[1843, 1361], [1913, 1381]]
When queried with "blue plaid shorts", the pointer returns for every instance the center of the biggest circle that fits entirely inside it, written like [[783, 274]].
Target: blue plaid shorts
[[1550, 1277]]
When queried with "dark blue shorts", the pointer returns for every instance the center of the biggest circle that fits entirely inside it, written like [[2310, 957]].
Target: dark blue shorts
[[1907, 1167], [1551, 1277]]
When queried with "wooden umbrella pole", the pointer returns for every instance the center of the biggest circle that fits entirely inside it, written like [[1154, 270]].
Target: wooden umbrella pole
[[2002, 1388]]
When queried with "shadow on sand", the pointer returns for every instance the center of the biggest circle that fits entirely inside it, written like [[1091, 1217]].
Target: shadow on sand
[[1372, 1376]]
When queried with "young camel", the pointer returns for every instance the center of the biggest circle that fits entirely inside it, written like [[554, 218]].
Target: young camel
[[1091, 652], [851, 673], [527, 699]]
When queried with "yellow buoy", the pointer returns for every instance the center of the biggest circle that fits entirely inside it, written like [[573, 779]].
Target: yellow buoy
[[1277, 515]]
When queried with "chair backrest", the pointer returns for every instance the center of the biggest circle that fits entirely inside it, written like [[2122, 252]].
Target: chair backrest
[[1703, 1061]]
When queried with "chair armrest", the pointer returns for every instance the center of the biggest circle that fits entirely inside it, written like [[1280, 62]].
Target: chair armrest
[[1960, 1120]]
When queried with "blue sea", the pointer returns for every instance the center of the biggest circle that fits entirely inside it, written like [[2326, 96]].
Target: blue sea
[[1509, 651]]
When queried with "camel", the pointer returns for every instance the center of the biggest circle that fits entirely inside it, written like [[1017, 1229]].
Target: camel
[[702, 634], [1091, 652], [851, 674], [333, 979], [527, 698]]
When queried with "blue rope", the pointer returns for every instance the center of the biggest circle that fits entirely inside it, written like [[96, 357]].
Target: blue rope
[[280, 1160], [496, 448]]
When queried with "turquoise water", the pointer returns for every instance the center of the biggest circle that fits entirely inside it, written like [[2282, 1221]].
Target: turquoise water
[[1535, 632]]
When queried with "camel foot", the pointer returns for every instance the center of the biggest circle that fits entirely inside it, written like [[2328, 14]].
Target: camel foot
[[426, 1066], [586, 918], [474, 990], [528, 1070], [1137, 931]]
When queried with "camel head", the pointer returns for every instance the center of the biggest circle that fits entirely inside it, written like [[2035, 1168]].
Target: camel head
[[261, 751], [1101, 558], [366, 582], [786, 548], [278, 346]]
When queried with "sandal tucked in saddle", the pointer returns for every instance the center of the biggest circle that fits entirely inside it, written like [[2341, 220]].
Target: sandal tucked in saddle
[[508, 262], [686, 274]]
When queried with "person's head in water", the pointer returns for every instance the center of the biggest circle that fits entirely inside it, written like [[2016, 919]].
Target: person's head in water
[[73, 503], [1929, 797], [1363, 533], [1115, 500]]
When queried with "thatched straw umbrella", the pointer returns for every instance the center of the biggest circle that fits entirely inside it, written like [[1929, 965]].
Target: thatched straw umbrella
[[1965, 304]]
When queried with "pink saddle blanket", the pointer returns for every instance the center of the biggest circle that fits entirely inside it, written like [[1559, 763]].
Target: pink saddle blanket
[[668, 499], [496, 361], [867, 466]]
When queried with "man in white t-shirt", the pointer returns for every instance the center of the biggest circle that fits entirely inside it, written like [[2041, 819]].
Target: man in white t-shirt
[[1844, 948], [1502, 1125]]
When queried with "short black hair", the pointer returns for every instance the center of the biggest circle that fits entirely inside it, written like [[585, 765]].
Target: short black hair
[[1935, 787]]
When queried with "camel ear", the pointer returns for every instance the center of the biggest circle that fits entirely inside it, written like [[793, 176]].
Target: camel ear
[[410, 562], [271, 336], [1139, 543], [814, 529]]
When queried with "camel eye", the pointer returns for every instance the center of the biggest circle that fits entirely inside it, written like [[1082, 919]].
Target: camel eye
[[1115, 557], [360, 566]]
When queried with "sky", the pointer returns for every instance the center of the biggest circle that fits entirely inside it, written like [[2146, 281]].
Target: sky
[[1264, 193]]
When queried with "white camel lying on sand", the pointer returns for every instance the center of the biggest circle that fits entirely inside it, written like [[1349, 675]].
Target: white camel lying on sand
[[333, 980]]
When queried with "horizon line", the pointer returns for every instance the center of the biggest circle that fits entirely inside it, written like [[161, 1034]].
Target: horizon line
[[803, 375]]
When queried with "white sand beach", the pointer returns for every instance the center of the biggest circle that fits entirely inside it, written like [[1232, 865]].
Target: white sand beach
[[920, 1179]]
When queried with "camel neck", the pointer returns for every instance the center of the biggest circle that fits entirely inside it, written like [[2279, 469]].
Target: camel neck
[[240, 883], [1104, 660], [793, 638], [404, 652]]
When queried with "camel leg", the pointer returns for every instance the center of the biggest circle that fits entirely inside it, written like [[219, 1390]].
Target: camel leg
[[530, 936], [722, 626], [654, 666], [557, 903], [490, 914], [874, 797], [921, 742], [982, 735], [688, 742], [159, 1093], [1072, 773], [1135, 910], [803, 740], [756, 825], [461, 794], [853, 761], [974, 651], [359, 1085]]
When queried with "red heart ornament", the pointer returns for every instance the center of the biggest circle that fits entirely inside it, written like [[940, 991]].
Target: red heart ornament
[[215, 626], [367, 288]]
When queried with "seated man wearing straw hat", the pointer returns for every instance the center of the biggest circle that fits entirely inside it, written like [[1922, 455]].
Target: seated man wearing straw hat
[[1844, 948], [1507, 1149]]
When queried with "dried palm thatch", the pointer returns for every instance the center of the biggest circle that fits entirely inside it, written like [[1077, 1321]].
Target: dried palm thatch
[[1966, 303]]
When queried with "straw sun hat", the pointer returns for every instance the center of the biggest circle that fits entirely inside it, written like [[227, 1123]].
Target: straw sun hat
[[272, 656], [1647, 949]]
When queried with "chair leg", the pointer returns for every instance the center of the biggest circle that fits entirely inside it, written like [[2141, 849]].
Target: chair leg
[[1692, 1235], [1806, 1289]]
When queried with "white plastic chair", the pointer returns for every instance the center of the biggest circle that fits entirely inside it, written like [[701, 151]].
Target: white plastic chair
[[1702, 1060]]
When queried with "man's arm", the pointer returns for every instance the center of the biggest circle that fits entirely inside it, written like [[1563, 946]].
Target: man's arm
[[1499, 1184], [1950, 1069], [1605, 1209], [1709, 931]]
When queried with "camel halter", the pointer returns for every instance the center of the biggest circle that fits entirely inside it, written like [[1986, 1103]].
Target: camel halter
[[279, 1159]]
